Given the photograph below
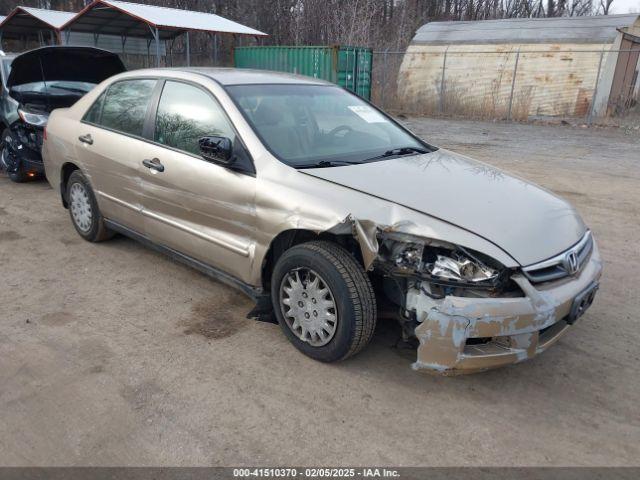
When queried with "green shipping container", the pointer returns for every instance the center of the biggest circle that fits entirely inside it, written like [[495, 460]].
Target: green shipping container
[[349, 67]]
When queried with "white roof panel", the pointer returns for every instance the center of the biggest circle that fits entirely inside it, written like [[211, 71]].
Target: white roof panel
[[181, 19], [588, 29], [55, 18]]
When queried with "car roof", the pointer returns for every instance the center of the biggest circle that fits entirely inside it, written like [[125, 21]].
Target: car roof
[[242, 76]]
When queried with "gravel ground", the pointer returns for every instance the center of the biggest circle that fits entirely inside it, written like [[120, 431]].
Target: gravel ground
[[111, 354]]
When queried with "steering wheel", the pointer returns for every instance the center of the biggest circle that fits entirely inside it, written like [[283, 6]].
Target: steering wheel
[[340, 128]]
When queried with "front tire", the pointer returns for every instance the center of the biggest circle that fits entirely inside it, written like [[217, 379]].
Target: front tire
[[323, 300], [18, 176], [84, 211]]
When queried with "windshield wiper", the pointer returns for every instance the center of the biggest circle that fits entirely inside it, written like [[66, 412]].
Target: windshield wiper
[[69, 89], [397, 152], [341, 163], [326, 164]]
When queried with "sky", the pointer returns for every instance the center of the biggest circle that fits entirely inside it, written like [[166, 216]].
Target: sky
[[623, 6]]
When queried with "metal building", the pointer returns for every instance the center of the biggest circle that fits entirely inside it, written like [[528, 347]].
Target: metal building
[[568, 66], [122, 27], [28, 24], [158, 25], [37, 26]]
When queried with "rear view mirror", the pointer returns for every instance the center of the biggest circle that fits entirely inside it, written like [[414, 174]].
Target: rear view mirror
[[217, 149]]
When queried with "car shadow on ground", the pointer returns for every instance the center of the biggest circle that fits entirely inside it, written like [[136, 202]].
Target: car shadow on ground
[[215, 319]]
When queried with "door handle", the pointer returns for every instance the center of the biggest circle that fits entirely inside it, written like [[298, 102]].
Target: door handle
[[86, 139], [153, 164]]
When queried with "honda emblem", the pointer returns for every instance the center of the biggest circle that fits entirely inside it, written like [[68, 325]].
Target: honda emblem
[[571, 263]]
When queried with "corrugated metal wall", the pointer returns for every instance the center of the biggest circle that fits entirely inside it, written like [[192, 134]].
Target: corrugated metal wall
[[113, 43], [550, 79]]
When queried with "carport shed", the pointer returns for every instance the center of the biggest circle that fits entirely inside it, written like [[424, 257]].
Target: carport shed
[[42, 27], [157, 24], [26, 23]]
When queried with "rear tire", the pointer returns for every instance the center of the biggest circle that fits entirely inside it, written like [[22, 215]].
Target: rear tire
[[83, 209], [323, 300]]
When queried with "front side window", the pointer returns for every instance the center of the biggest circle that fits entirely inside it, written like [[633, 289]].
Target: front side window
[[309, 125], [186, 114], [125, 106]]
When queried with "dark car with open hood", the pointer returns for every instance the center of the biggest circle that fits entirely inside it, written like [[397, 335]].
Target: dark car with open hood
[[38, 82]]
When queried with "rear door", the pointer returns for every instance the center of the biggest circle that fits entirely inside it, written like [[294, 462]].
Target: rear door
[[196, 207], [110, 134]]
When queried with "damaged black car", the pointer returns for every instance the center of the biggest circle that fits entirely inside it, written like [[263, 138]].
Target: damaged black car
[[38, 82]]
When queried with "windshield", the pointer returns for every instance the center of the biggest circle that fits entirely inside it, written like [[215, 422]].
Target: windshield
[[56, 87], [6, 67], [317, 125]]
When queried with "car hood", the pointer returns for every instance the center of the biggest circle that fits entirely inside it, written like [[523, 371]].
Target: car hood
[[528, 222], [80, 64]]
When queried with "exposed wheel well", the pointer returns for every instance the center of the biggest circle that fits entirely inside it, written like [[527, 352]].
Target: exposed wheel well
[[65, 173], [289, 238]]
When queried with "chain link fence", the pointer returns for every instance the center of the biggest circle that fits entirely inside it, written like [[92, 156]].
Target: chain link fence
[[587, 85]]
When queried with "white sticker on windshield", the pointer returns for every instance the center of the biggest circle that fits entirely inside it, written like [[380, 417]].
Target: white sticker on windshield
[[368, 114]]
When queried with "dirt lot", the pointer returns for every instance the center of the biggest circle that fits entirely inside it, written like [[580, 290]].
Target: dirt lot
[[111, 354]]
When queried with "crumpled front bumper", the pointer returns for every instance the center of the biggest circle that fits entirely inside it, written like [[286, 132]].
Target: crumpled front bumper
[[512, 329], [23, 149]]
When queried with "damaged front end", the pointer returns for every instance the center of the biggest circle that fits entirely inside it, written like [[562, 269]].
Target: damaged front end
[[22, 144], [465, 311], [39, 82]]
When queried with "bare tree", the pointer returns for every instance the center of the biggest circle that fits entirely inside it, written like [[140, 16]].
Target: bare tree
[[605, 5], [375, 23]]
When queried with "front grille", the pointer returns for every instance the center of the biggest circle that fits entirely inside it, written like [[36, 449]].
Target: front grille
[[560, 266], [484, 346]]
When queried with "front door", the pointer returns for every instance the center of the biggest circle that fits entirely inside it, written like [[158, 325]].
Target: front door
[[196, 207]]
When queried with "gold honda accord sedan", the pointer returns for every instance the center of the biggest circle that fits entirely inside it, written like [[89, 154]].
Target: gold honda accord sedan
[[325, 211]]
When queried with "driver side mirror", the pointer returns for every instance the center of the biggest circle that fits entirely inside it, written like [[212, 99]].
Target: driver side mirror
[[217, 150]]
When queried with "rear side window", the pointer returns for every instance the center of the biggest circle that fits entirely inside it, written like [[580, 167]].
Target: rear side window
[[186, 114], [124, 106], [94, 113]]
